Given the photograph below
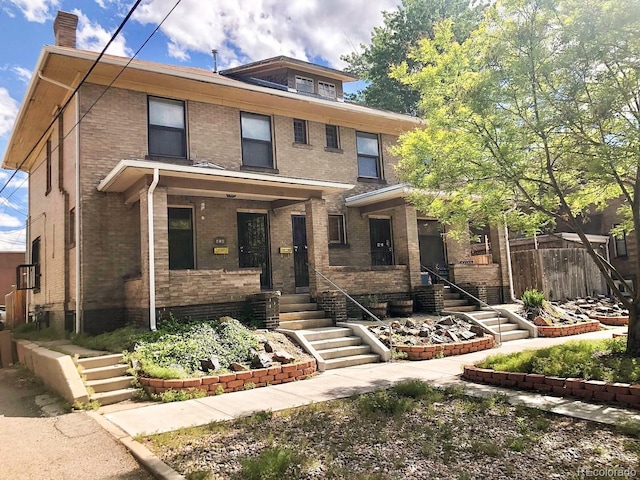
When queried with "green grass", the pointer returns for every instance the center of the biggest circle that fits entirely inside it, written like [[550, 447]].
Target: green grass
[[590, 359], [275, 463], [27, 331], [117, 341]]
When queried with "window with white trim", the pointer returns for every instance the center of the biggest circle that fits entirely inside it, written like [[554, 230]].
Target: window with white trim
[[257, 150], [299, 131], [336, 230], [167, 133], [304, 84], [620, 244], [368, 155], [332, 136], [326, 89]]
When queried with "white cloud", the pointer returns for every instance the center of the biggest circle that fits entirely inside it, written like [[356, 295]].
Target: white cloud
[[24, 74], [9, 221], [92, 36], [313, 28], [8, 111], [13, 240], [36, 10]]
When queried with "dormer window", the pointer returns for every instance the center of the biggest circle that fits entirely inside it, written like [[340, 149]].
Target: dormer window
[[326, 89], [304, 84]]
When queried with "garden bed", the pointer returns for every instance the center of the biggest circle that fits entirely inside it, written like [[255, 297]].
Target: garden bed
[[565, 330], [427, 352], [614, 321], [234, 381], [621, 394]]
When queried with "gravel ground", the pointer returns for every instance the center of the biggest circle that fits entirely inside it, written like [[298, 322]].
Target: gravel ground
[[443, 436]]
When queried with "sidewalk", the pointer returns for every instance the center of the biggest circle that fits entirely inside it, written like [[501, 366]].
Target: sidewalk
[[344, 382]]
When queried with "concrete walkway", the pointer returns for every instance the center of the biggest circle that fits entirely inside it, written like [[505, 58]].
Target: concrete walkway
[[344, 382]]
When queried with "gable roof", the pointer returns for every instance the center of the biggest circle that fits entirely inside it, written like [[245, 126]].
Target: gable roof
[[276, 63]]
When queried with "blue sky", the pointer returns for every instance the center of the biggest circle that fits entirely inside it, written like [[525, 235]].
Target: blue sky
[[314, 30]]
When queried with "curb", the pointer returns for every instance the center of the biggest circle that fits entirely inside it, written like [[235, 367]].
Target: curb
[[142, 454]]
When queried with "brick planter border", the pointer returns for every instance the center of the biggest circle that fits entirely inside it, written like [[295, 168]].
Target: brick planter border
[[614, 321], [620, 394], [565, 330], [618, 335], [234, 381], [427, 352]]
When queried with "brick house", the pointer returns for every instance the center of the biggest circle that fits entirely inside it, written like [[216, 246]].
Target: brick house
[[202, 193]]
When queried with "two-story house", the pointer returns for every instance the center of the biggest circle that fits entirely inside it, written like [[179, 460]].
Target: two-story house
[[164, 189]]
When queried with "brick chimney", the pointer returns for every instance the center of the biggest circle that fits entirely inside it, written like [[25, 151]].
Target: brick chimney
[[64, 29]]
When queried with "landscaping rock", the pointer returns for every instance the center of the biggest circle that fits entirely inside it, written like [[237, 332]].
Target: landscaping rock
[[268, 347], [409, 323], [238, 367], [283, 357], [261, 360], [212, 363]]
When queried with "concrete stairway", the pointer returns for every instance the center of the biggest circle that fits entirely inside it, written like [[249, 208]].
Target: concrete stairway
[[500, 326], [106, 379], [334, 347]]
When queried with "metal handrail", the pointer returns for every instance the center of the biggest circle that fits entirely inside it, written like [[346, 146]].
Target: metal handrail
[[483, 303], [358, 304]]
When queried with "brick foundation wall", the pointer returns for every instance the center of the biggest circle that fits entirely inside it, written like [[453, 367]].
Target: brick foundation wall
[[103, 320], [565, 330], [427, 352], [624, 394], [368, 280], [334, 304], [235, 381], [188, 287], [206, 312], [354, 311], [428, 298], [265, 309]]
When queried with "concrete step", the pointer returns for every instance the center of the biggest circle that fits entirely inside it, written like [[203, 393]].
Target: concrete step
[[306, 315], [351, 361], [107, 398], [110, 384], [514, 335], [451, 296], [483, 314], [346, 341], [306, 324], [494, 321], [102, 361], [341, 352], [505, 327], [326, 333], [295, 298], [297, 307], [460, 308], [455, 303], [100, 373]]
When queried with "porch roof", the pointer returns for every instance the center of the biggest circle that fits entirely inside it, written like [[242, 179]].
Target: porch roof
[[129, 176], [381, 199]]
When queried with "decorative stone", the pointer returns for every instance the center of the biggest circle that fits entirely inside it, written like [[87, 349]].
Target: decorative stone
[[268, 347], [409, 323], [238, 367], [283, 357], [261, 360], [211, 363]]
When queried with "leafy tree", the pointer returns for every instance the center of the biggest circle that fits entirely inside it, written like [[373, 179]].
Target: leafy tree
[[534, 118], [402, 30]]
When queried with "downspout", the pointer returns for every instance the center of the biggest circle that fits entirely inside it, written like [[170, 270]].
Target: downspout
[[509, 269], [152, 251], [77, 220]]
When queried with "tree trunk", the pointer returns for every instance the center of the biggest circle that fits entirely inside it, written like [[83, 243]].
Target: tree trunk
[[633, 339]]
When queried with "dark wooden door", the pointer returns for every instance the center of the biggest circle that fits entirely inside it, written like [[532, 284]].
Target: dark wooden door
[[253, 244], [181, 251], [432, 255], [300, 259], [381, 244]]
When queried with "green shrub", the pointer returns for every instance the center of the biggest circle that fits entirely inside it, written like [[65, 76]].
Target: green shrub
[[273, 463], [180, 353], [383, 402], [181, 395], [532, 299], [418, 390]]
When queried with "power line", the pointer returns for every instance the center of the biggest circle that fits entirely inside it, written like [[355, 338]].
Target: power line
[[90, 107], [66, 104]]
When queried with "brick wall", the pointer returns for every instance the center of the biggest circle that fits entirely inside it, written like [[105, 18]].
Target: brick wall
[[475, 274], [365, 280], [187, 287]]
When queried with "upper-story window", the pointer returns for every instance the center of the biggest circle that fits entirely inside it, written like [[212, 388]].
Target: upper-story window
[[326, 89], [167, 133], [620, 244], [257, 150], [332, 136], [299, 131], [48, 160], [304, 84], [368, 155]]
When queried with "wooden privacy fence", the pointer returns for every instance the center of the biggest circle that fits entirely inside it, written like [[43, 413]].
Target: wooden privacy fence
[[15, 303], [558, 272]]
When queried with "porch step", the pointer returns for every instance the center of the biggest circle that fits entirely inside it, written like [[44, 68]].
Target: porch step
[[103, 361], [334, 342], [484, 315], [351, 361], [451, 296], [326, 333], [514, 335], [460, 308], [492, 321], [109, 384], [455, 303], [297, 307], [506, 327], [503, 328], [115, 396], [101, 373], [295, 298], [301, 315], [305, 324], [342, 352]]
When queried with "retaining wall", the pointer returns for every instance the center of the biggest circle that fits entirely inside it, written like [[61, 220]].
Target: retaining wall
[[564, 330], [427, 352]]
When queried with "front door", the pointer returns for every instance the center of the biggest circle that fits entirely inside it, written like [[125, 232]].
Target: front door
[[181, 251], [300, 267], [253, 244], [381, 245]]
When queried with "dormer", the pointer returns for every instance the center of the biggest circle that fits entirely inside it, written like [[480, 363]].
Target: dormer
[[293, 75]]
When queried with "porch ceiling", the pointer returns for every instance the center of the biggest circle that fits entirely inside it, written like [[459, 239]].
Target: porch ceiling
[[129, 176], [382, 199]]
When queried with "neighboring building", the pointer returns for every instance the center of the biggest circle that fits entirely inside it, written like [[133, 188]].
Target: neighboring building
[[8, 263], [189, 191]]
